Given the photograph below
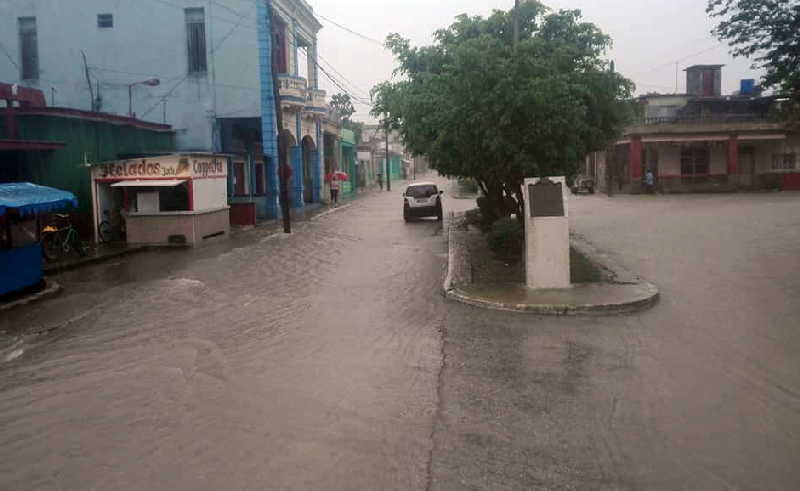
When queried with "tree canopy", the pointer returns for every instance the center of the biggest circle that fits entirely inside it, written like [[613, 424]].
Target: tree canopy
[[343, 105], [477, 106], [767, 31]]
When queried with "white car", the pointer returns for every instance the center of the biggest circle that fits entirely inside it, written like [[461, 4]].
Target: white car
[[422, 199]]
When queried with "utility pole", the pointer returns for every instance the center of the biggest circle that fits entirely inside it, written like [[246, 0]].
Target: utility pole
[[88, 81], [676, 76], [611, 158], [388, 160], [516, 23], [284, 171]]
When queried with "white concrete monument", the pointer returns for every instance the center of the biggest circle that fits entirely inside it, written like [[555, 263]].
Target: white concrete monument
[[546, 233]]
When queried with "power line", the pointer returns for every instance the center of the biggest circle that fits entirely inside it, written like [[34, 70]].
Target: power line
[[352, 85], [678, 60], [362, 36], [13, 62]]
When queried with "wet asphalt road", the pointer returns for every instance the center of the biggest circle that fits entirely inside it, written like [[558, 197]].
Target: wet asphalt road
[[329, 360]]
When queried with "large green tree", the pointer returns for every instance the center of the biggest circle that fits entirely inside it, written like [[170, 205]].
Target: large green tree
[[479, 106], [768, 31]]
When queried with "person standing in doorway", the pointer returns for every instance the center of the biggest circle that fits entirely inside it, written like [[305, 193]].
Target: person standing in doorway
[[650, 181], [334, 189]]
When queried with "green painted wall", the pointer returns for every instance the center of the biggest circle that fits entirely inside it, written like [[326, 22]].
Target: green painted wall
[[349, 166], [86, 141], [396, 166]]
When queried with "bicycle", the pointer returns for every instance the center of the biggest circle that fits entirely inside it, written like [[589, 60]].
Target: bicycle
[[60, 237], [107, 233]]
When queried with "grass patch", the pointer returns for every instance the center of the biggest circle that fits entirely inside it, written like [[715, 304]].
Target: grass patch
[[582, 270]]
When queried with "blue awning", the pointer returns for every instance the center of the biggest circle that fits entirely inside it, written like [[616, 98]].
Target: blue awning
[[30, 199]]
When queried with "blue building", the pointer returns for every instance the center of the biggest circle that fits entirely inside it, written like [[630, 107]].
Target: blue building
[[205, 68]]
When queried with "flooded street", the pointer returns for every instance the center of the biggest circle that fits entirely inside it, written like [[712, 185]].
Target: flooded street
[[307, 361], [329, 359]]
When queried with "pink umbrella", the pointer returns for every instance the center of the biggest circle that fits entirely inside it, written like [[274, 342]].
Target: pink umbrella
[[339, 175]]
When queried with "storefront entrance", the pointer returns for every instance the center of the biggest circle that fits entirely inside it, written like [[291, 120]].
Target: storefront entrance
[[308, 149]]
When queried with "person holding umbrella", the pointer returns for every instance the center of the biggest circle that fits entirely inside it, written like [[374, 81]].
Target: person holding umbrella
[[335, 188], [334, 178]]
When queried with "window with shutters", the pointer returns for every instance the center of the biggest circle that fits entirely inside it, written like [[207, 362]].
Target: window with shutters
[[105, 21], [784, 161], [29, 49], [196, 40], [694, 160]]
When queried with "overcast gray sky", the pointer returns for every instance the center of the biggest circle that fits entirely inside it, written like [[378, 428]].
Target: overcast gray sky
[[649, 37]]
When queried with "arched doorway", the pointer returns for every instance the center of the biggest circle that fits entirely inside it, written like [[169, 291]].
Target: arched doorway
[[308, 149]]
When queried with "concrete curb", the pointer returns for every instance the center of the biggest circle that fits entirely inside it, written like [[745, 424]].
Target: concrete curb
[[598, 309], [51, 289], [642, 294], [60, 268]]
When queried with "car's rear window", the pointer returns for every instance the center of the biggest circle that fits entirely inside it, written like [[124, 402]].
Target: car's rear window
[[421, 191]]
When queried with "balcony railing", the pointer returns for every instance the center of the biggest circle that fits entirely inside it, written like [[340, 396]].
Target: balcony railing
[[316, 101], [292, 90], [707, 119]]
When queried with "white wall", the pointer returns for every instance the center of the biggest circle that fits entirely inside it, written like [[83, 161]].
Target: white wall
[[210, 194], [148, 40], [718, 158]]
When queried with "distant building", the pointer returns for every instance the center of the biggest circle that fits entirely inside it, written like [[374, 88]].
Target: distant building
[[701, 141], [401, 161]]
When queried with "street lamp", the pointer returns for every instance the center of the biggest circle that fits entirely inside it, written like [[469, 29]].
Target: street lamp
[[153, 82]]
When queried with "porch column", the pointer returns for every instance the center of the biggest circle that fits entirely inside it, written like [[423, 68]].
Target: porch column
[[296, 192], [295, 49], [733, 155], [296, 155], [269, 129], [313, 76], [319, 159], [636, 159]]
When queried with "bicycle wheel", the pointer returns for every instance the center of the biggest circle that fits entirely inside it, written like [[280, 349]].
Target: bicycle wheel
[[105, 232], [51, 248], [79, 245], [72, 242]]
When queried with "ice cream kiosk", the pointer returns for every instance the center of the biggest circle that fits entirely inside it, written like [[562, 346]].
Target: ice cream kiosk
[[176, 199]]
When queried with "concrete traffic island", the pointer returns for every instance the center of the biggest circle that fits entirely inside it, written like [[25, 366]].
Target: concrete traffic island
[[617, 291]]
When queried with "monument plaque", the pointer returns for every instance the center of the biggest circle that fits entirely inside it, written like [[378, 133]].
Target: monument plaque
[[546, 233], [546, 199]]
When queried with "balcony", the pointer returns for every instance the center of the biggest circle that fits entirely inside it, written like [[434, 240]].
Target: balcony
[[293, 91], [316, 102]]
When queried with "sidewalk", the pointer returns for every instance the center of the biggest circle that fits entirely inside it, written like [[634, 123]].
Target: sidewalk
[[101, 252], [471, 281]]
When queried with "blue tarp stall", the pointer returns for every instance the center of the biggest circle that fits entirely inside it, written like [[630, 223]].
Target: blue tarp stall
[[20, 260]]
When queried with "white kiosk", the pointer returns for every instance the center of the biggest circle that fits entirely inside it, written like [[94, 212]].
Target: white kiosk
[[175, 199], [546, 233]]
